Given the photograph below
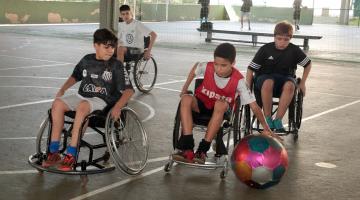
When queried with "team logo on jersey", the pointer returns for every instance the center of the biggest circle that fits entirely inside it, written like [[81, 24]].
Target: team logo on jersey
[[212, 94], [91, 88], [94, 76], [107, 76], [84, 73], [270, 58], [129, 38]]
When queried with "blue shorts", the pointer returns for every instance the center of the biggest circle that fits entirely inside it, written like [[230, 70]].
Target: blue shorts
[[279, 81]]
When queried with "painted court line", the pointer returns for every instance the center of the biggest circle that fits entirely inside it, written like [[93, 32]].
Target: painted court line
[[169, 82], [26, 104], [330, 110], [30, 58], [36, 171], [162, 88], [35, 77], [117, 184], [36, 66]]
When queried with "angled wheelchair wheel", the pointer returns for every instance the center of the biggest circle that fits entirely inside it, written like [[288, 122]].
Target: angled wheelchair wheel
[[298, 108], [127, 142], [237, 121], [177, 128], [43, 140], [145, 73], [248, 121]]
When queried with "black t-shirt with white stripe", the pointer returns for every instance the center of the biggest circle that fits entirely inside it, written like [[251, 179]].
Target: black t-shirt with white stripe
[[270, 60], [104, 79]]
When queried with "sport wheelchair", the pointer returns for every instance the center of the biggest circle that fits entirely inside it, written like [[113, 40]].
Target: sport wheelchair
[[124, 140], [230, 125], [294, 113], [144, 71]]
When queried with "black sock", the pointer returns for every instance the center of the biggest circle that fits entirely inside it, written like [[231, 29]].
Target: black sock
[[186, 142], [204, 146]]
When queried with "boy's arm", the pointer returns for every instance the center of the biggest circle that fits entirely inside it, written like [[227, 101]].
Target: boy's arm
[[260, 116], [249, 78], [304, 78], [68, 83], [189, 79], [147, 53], [124, 99]]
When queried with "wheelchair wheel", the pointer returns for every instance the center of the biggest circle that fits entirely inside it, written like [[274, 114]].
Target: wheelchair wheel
[[177, 128], [298, 108], [43, 140], [237, 121], [248, 122], [145, 73], [127, 142]]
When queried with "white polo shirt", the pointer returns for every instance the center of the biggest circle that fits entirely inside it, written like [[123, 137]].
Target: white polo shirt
[[132, 34]]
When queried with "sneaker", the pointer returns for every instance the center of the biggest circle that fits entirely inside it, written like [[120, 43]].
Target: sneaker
[[67, 163], [52, 159], [270, 122], [184, 156], [200, 157], [278, 126]]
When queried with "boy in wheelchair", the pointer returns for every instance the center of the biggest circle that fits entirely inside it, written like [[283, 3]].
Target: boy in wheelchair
[[104, 82], [275, 66], [215, 95], [131, 36]]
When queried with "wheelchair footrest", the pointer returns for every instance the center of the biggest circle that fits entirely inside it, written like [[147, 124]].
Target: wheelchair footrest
[[35, 161]]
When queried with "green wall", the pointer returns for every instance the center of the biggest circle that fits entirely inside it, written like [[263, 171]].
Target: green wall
[[273, 14], [26, 11], [38, 11]]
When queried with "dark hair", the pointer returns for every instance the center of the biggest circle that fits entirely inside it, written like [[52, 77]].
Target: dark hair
[[284, 28], [105, 36], [226, 51], [124, 8]]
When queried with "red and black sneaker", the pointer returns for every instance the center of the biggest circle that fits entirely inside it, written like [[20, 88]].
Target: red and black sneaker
[[184, 156], [52, 159], [67, 163], [200, 157]]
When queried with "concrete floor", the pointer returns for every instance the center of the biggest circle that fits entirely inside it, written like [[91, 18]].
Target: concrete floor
[[33, 67]]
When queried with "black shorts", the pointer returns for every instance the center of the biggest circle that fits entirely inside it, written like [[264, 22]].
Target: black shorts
[[203, 109], [132, 54], [279, 81]]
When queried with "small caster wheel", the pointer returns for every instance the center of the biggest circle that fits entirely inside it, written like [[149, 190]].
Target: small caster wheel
[[83, 165], [223, 174], [168, 167]]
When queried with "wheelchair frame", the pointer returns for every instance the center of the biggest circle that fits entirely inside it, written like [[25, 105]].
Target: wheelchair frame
[[294, 114], [231, 123], [96, 121], [135, 62]]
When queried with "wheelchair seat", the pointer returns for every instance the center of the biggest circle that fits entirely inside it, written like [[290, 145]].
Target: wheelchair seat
[[96, 119]]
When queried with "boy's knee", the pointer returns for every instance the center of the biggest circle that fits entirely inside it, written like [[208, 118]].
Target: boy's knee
[[268, 84], [221, 106], [83, 107], [58, 104], [186, 100], [289, 87]]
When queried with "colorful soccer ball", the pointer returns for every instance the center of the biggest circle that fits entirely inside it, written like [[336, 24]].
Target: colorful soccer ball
[[259, 161]]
